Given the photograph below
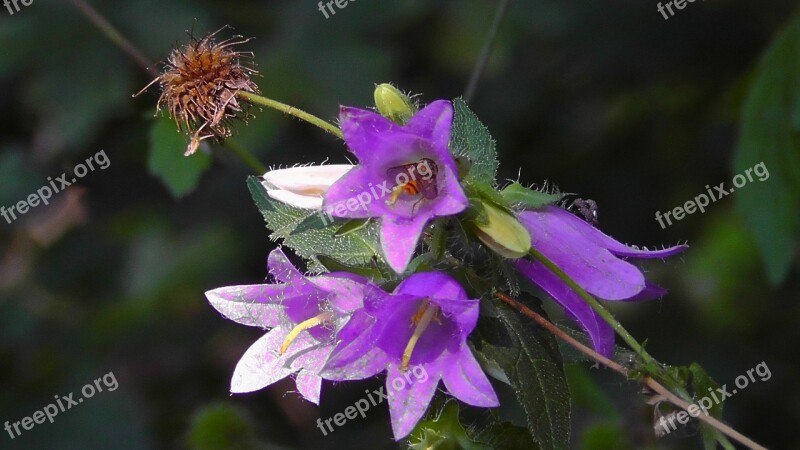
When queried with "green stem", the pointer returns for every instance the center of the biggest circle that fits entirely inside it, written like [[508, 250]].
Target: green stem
[[246, 156], [292, 111], [609, 318]]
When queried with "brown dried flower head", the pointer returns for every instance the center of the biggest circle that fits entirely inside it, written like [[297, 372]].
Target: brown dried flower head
[[199, 86]]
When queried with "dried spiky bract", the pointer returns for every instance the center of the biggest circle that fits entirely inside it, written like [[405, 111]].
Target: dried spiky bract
[[199, 86]]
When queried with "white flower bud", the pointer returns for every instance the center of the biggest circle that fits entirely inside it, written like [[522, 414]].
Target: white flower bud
[[303, 187]]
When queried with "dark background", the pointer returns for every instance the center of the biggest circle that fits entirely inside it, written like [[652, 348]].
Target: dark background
[[602, 98]]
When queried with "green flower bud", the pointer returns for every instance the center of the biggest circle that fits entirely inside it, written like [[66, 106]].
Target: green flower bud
[[502, 232], [393, 104]]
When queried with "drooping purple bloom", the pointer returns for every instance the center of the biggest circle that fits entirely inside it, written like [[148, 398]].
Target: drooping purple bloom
[[421, 328], [303, 314], [406, 176], [594, 260]]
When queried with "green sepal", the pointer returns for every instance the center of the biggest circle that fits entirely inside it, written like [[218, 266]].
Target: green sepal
[[527, 198]]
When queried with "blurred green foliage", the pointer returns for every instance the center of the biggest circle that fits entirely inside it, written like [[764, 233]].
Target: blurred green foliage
[[769, 135], [604, 99]]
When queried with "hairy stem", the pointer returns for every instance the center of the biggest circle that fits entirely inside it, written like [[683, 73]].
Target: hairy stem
[[646, 380], [292, 111]]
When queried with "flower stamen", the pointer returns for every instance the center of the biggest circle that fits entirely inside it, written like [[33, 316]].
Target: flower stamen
[[422, 318], [323, 318]]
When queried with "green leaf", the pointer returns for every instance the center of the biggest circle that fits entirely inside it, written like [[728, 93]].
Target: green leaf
[[702, 384], [528, 198], [443, 431], [308, 233], [351, 226], [486, 193], [770, 134], [587, 394], [373, 273], [570, 354], [530, 358], [166, 161], [438, 240], [471, 140], [506, 436]]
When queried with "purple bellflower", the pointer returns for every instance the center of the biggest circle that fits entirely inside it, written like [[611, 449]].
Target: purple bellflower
[[594, 260], [425, 324], [303, 314], [406, 176]]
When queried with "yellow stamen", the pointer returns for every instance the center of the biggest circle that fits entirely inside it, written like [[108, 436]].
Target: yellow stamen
[[422, 319], [396, 193], [310, 323]]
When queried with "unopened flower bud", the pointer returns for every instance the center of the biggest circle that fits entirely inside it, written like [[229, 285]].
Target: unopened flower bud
[[393, 104], [503, 233]]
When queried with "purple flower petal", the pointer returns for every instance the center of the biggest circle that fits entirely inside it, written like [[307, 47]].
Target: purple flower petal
[[432, 284], [408, 405], [603, 240], [626, 251], [453, 200], [600, 333], [650, 292], [436, 311], [568, 244], [361, 128], [399, 239], [309, 385], [356, 357], [406, 176], [457, 306], [433, 343], [347, 294], [317, 305], [341, 199], [465, 380], [282, 269], [434, 123], [260, 365], [249, 305]]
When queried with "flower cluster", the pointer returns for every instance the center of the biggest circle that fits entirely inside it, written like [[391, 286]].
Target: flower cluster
[[342, 326]]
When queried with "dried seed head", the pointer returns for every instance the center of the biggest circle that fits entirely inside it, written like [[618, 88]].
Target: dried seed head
[[199, 86]]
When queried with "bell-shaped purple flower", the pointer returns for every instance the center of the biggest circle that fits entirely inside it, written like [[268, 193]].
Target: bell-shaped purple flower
[[594, 260], [303, 314], [422, 329], [406, 176]]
